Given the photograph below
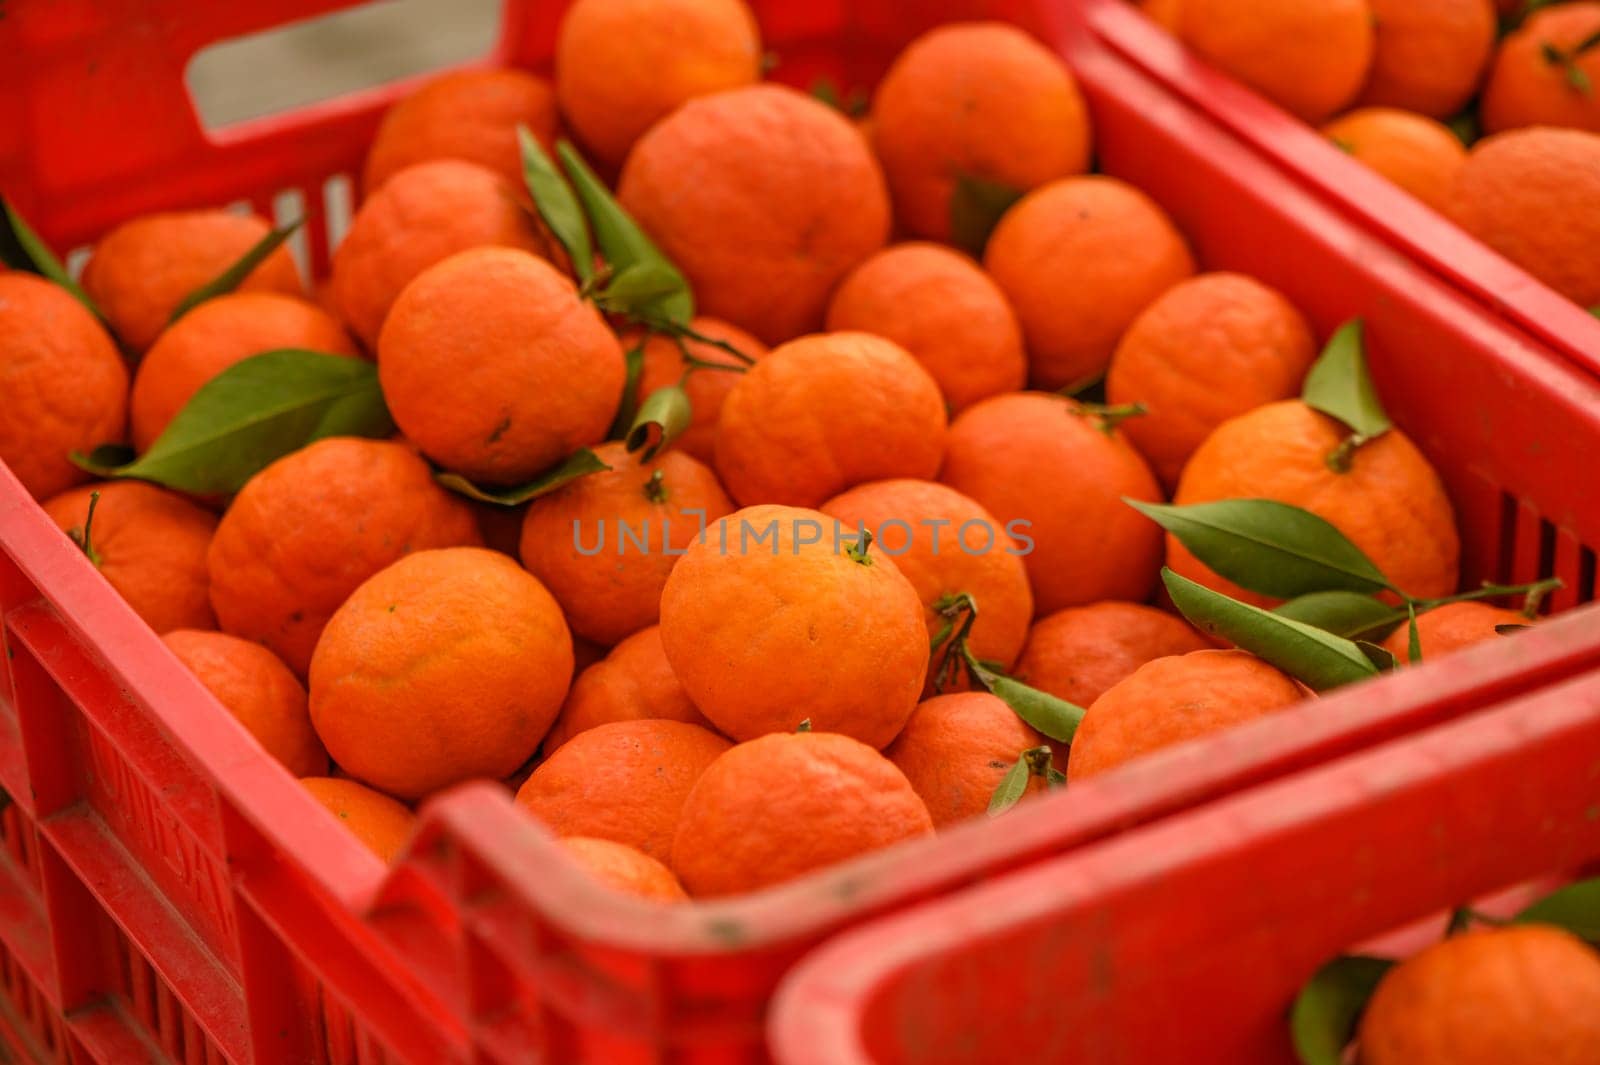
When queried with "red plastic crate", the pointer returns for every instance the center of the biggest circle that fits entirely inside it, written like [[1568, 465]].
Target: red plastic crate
[[171, 893], [1184, 943], [1380, 207]]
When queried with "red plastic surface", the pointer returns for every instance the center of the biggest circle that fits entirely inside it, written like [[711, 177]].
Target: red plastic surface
[[169, 892], [1185, 943], [1379, 206]]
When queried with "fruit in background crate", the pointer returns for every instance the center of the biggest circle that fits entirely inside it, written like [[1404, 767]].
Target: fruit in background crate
[[1454, 626], [1166, 13], [1311, 57], [942, 308], [144, 269], [1173, 699], [311, 527], [214, 336], [978, 101], [1534, 196], [957, 749], [420, 216], [634, 682], [1547, 73], [63, 382], [1420, 155], [1078, 653], [623, 65], [495, 368], [624, 868], [1208, 349], [663, 365], [258, 690], [1429, 55], [625, 781], [148, 543], [379, 822], [449, 665], [1079, 259], [1389, 501], [764, 198], [604, 544], [946, 545], [1084, 543], [826, 412], [768, 622], [786, 804], [470, 115]]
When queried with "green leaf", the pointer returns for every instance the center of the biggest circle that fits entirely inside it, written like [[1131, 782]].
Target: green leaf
[[633, 362], [1049, 716], [234, 276], [1319, 659], [105, 459], [1413, 634], [556, 204], [624, 244], [662, 418], [1588, 44], [1467, 128], [1578, 78], [254, 413], [21, 249], [1268, 547], [1380, 656], [1013, 786], [1510, 630], [824, 90], [976, 206], [1595, 311], [1347, 614], [1340, 386], [1325, 1014], [580, 463], [1575, 908], [640, 285]]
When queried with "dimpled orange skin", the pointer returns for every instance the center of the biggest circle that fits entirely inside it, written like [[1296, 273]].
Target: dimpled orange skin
[[785, 435], [307, 530], [766, 634], [65, 385], [1311, 57], [786, 184], [1038, 458], [1416, 153], [780, 806], [938, 305], [496, 369], [214, 336], [450, 665], [623, 65], [144, 268], [1170, 700], [632, 683], [1526, 89], [1390, 503], [1429, 56], [625, 868], [957, 748], [980, 561], [707, 389], [624, 781], [152, 545], [1207, 349], [1452, 627], [1521, 995], [1078, 259], [258, 690], [421, 215], [379, 822], [470, 115], [1166, 13], [981, 100], [1079, 653], [605, 543], [1533, 195]]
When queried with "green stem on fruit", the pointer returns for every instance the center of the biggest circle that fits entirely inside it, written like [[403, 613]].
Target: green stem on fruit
[[84, 538]]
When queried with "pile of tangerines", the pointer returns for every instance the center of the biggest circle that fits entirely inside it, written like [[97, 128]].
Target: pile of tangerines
[[1411, 85], [747, 484]]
